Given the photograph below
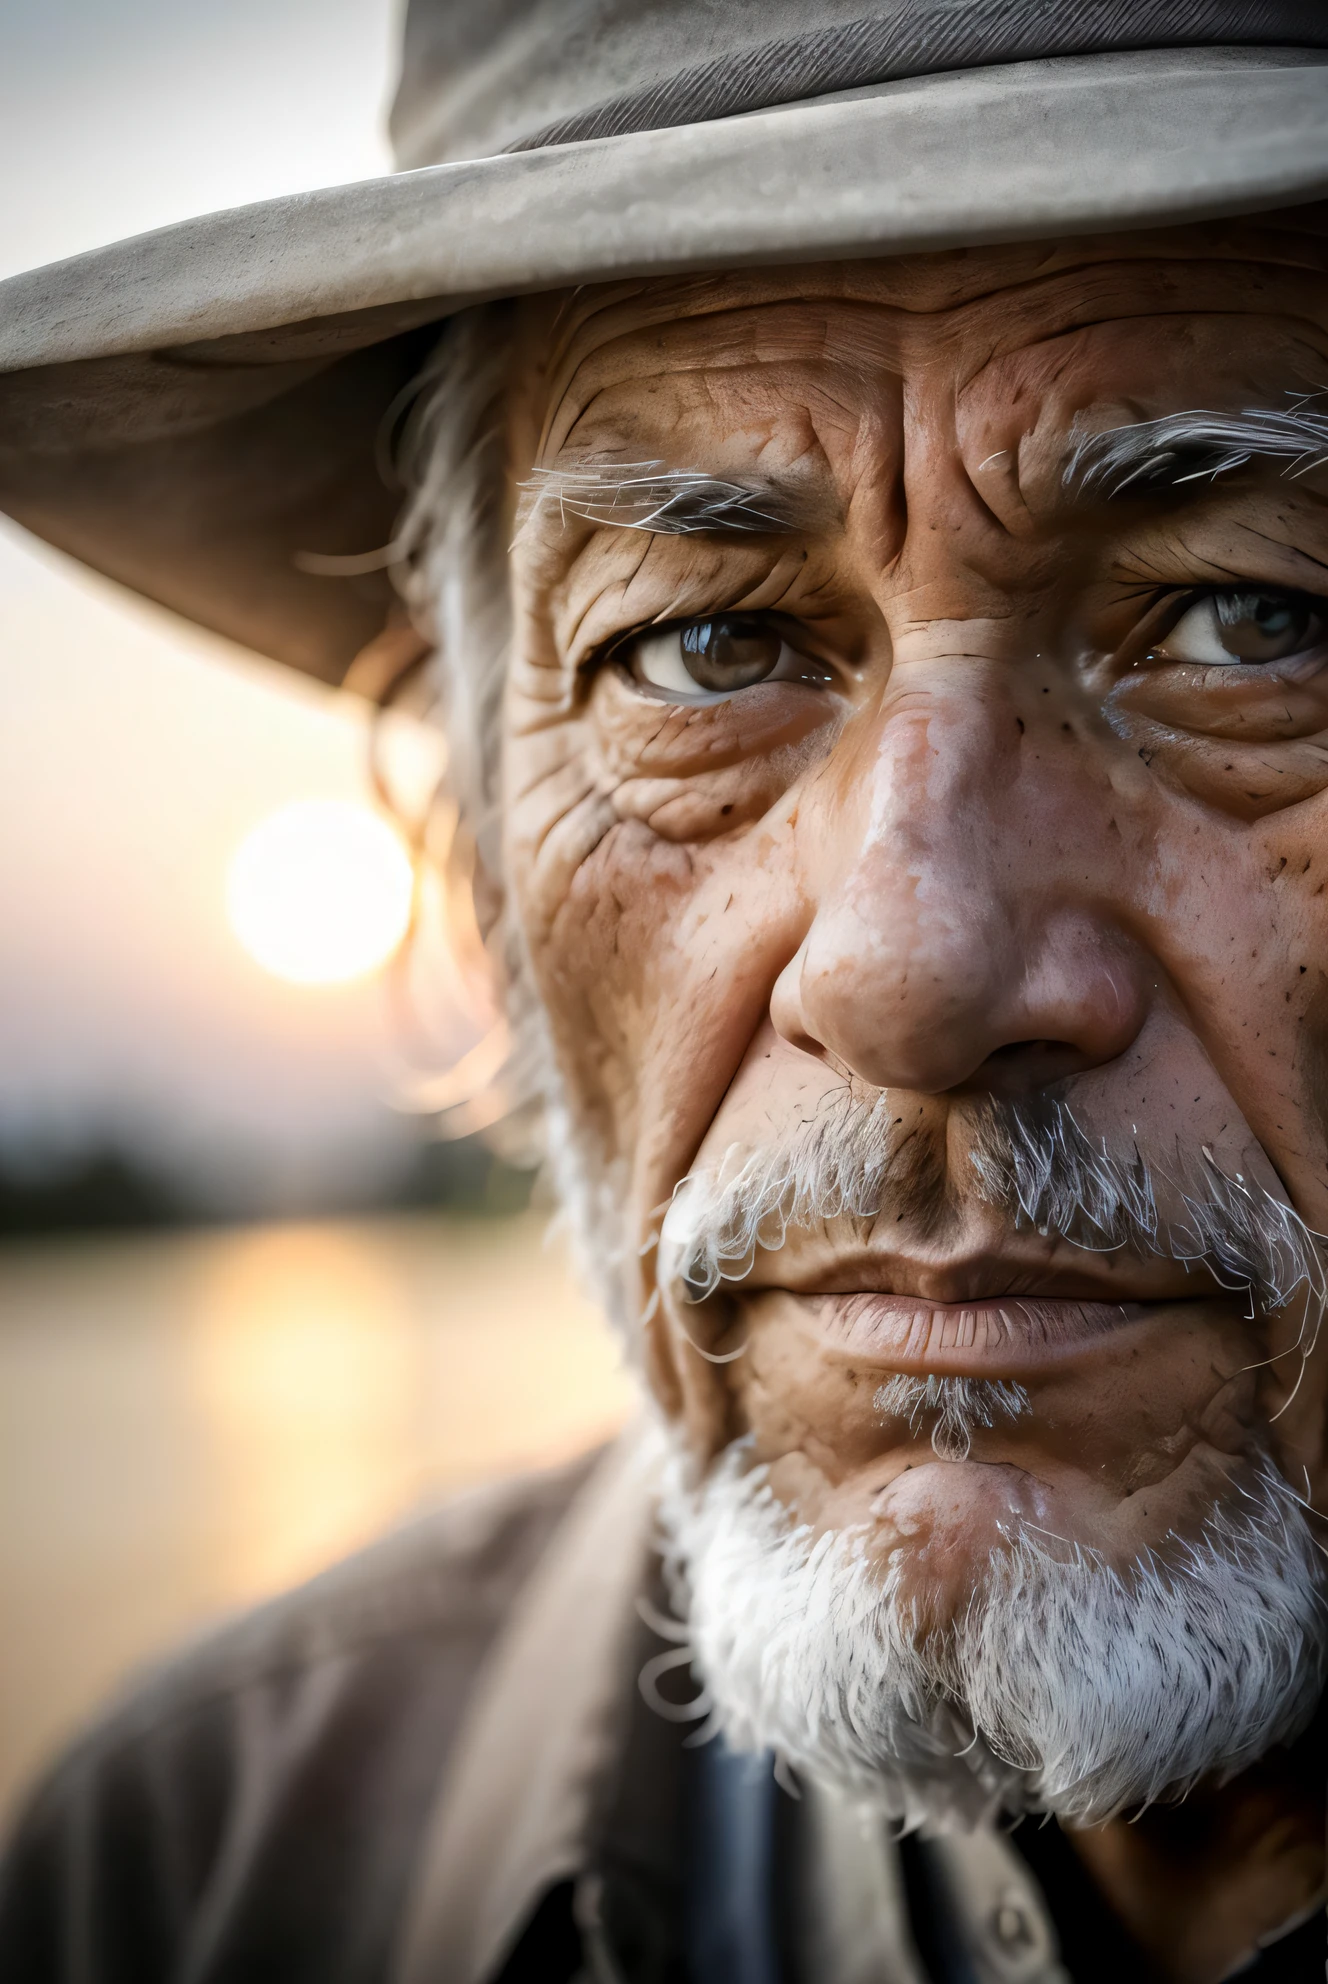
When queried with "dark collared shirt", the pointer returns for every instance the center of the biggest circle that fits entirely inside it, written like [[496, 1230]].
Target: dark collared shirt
[[433, 1766]]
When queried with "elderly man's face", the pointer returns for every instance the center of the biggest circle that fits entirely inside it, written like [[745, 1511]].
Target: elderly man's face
[[914, 801]]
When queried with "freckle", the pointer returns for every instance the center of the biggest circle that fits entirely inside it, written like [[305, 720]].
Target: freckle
[[1065, 726]]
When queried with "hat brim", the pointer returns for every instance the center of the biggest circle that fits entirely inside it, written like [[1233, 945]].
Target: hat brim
[[192, 410]]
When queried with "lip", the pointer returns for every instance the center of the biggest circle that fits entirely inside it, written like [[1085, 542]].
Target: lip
[[1022, 1266], [996, 1336]]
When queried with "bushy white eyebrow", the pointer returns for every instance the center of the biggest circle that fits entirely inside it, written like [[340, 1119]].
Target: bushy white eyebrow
[[1197, 446], [648, 496]]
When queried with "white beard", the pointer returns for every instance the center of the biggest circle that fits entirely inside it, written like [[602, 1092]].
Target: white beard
[[1066, 1687]]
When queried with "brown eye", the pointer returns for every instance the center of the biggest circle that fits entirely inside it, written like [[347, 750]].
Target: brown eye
[[1247, 625], [719, 657], [729, 654]]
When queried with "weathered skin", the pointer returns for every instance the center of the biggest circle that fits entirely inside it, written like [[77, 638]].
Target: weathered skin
[[1004, 846]]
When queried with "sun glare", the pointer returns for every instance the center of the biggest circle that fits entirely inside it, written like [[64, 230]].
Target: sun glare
[[320, 892]]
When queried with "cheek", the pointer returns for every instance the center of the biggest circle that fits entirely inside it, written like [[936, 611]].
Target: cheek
[[654, 961], [691, 772], [1237, 915], [794, 1398], [1313, 976], [1247, 777], [607, 935], [699, 809]]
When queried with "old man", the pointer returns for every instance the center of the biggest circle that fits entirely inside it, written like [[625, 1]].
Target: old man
[[864, 519]]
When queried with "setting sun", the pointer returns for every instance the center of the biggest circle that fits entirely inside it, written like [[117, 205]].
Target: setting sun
[[320, 892]]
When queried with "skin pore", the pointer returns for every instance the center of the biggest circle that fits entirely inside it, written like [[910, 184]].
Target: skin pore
[[959, 779]]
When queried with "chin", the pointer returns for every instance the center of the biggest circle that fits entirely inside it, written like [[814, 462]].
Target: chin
[[941, 1530], [934, 1532], [978, 1661]]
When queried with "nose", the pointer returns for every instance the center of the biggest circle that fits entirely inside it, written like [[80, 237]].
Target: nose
[[963, 931]]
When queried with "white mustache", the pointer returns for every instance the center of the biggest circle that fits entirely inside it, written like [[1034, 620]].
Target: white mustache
[[1054, 1177], [1035, 1161], [834, 1167]]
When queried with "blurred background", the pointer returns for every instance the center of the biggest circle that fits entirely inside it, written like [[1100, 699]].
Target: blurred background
[[251, 1310]]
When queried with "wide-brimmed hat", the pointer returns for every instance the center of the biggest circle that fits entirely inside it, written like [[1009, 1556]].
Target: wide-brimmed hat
[[197, 410]]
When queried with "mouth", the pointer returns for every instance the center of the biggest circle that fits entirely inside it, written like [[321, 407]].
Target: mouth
[[1005, 1336]]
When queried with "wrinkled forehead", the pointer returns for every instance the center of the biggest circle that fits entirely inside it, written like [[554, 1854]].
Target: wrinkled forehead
[[1012, 336]]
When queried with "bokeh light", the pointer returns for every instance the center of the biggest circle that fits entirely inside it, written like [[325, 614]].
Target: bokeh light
[[320, 892]]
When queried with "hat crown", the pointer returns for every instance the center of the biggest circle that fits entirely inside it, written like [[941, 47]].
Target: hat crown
[[481, 77]]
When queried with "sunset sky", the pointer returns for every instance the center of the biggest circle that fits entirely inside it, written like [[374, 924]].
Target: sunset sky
[[134, 755]]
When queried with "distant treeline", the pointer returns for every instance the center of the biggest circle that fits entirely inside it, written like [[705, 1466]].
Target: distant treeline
[[111, 1187]]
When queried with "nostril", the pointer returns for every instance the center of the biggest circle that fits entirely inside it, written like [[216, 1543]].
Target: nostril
[[1022, 1065]]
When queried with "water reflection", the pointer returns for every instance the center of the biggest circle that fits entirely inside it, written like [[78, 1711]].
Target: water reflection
[[303, 1367], [189, 1422]]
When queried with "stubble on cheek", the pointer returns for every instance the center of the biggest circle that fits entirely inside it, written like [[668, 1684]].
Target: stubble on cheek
[[597, 906]]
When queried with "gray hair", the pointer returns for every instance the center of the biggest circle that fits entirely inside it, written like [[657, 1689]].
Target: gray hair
[[451, 552], [1198, 446], [451, 566], [1066, 1685], [650, 496], [952, 1407]]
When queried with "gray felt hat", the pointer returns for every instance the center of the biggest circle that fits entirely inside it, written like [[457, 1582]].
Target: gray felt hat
[[192, 410]]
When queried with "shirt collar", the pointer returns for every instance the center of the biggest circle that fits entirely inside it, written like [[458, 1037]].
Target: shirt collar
[[525, 1790], [560, 1773]]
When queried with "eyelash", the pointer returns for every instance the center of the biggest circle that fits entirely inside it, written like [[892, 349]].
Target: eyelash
[[618, 644], [1172, 608], [616, 652], [1164, 613]]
